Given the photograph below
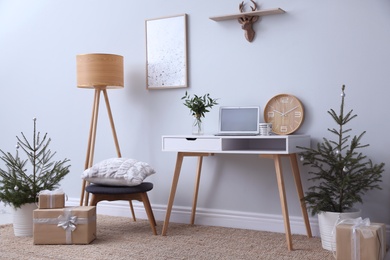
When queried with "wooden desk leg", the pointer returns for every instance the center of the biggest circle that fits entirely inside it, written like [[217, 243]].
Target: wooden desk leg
[[283, 202], [298, 184], [197, 180], [179, 162]]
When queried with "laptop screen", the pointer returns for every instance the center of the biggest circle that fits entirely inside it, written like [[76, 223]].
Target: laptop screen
[[239, 120]]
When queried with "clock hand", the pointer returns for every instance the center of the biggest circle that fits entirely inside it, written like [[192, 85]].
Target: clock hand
[[290, 110], [278, 112]]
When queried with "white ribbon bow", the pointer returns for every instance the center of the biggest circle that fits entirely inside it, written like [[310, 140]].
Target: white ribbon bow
[[68, 223]]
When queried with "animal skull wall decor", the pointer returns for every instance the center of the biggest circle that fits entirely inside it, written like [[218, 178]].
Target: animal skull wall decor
[[247, 21]]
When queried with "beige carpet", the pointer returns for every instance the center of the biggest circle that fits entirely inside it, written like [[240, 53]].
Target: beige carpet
[[121, 238]]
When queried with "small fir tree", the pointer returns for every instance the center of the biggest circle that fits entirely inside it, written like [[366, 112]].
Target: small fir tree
[[20, 185], [342, 173]]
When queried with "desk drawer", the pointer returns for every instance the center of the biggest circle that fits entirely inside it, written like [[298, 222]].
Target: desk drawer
[[192, 144]]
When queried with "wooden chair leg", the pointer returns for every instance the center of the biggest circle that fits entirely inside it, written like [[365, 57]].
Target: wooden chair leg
[[149, 212], [93, 201], [132, 210]]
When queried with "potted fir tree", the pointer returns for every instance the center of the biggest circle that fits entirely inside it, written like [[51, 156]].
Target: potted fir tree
[[342, 174], [20, 183], [198, 105]]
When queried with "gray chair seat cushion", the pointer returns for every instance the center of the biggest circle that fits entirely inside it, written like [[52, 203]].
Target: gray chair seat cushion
[[104, 189]]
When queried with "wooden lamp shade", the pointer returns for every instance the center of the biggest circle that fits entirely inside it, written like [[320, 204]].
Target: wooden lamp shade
[[99, 71]]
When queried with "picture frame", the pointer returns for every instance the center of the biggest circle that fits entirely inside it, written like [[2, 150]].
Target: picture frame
[[166, 52]]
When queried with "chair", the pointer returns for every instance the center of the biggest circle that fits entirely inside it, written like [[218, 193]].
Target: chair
[[127, 193]]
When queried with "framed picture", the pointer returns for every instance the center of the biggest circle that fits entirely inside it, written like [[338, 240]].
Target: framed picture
[[166, 52]]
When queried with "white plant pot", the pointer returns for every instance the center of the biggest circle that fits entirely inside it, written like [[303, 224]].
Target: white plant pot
[[23, 220], [327, 222]]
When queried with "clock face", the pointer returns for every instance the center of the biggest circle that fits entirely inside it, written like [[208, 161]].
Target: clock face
[[285, 112]]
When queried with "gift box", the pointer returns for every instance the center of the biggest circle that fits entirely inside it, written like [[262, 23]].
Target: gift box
[[51, 199], [70, 225], [360, 240]]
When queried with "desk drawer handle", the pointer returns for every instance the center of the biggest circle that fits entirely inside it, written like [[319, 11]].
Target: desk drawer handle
[[191, 139]]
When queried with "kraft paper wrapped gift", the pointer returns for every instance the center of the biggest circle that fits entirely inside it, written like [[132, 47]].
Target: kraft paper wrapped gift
[[51, 199], [70, 225], [360, 240]]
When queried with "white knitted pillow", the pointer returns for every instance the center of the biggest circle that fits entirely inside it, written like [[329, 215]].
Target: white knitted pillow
[[118, 172]]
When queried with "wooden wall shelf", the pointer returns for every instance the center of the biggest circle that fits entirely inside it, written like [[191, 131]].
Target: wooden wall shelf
[[255, 13]]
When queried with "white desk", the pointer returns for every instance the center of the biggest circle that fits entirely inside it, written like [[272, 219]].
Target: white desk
[[273, 147]]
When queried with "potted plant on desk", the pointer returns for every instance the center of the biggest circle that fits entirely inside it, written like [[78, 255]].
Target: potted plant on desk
[[341, 173], [198, 105], [20, 183]]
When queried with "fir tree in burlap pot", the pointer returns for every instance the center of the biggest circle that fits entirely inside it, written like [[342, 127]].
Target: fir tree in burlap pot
[[20, 182]]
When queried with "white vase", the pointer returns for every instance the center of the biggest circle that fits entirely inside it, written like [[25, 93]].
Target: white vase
[[23, 220], [327, 222]]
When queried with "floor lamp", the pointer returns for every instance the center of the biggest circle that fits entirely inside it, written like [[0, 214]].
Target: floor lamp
[[99, 72]]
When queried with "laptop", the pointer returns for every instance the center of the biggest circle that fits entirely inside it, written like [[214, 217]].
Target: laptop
[[238, 120]]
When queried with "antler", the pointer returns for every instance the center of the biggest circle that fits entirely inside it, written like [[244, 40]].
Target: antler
[[254, 7], [241, 6]]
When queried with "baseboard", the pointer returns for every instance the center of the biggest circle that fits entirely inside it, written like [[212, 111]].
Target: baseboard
[[209, 217]]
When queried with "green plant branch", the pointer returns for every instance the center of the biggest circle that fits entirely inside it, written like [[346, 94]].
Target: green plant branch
[[199, 105]]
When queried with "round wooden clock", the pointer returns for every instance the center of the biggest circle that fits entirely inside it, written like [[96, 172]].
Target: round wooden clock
[[285, 112]]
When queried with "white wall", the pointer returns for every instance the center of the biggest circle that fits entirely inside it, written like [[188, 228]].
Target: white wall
[[309, 52]]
